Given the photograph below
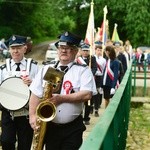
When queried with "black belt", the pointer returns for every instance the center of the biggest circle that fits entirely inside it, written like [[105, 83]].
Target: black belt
[[66, 124], [99, 76]]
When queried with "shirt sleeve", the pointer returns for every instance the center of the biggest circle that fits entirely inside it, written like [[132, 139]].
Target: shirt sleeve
[[36, 86], [87, 81]]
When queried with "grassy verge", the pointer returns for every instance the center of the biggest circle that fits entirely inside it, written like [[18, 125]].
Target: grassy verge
[[139, 128]]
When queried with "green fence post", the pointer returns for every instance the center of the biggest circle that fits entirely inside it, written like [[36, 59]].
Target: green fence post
[[145, 73], [134, 78], [104, 136]]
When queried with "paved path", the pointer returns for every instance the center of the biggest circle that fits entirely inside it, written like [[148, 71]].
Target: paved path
[[93, 121]]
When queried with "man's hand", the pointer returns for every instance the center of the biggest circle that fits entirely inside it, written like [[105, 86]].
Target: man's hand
[[56, 99], [26, 80]]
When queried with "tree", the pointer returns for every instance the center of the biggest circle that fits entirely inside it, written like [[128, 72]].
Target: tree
[[41, 19], [137, 22]]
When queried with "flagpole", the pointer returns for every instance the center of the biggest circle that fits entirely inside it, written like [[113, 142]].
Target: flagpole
[[107, 29], [90, 31], [104, 28], [92, 37]]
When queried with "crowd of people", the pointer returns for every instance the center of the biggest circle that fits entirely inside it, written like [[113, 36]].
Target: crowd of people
[[87, 80], [140, 56]]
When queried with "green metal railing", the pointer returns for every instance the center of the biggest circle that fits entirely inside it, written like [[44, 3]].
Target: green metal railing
[[140, 75], [110, 132]]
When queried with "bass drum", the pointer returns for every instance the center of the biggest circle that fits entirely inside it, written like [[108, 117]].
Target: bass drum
[[14, 94]]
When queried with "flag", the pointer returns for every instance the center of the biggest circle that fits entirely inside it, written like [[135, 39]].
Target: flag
[[115, 36], [104, 35], [102, 32], [89, 38], [99, 34]]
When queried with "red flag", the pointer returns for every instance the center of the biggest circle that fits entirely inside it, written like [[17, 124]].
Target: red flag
[[89, 38], [99, 34], [102, 33]]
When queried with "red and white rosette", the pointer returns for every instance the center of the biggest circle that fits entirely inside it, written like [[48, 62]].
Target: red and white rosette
[[67, 87]]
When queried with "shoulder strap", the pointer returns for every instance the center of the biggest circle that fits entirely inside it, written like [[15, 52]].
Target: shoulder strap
[[78, 64], [80, 60], [8, 66], [28, 66], [2, 66]]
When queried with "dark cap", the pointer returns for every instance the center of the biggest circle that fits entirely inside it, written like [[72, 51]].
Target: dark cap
[[17, 40], [85, 47], [68, 38], [98, 43], [117, 43]]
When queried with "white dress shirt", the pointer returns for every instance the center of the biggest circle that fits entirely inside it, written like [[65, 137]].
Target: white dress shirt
[[80, 77]]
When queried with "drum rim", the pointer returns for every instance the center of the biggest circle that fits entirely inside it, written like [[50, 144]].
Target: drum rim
[[28, 95]]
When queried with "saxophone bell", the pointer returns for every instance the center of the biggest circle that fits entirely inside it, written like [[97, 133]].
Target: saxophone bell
[[46, 111]]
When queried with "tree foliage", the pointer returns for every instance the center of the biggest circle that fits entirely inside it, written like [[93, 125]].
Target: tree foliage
[[47, 18], [137, 22]]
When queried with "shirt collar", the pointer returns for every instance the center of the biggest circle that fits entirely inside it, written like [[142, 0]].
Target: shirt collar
[[69, 65], [23, 62]]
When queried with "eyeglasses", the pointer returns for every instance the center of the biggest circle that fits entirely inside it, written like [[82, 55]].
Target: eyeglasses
[[66, 48], [85, 50], [18, 48]]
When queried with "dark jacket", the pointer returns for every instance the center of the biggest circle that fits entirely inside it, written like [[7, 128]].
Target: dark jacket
[[122, 58], [114, 66], [93, 63]]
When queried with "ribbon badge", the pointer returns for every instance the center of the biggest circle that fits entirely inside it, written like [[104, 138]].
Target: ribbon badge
[[67, 87], [24, 74]]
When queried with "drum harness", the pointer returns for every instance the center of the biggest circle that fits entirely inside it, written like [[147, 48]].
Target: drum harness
[[23, 111]]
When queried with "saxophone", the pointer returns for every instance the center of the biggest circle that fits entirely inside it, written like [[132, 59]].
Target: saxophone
[[46, 111]]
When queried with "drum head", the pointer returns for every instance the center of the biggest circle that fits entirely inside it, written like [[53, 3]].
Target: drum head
[[14, 94]]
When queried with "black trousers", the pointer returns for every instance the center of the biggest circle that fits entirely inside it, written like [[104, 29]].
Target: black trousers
[[18, 129], [87, 109], [64, 137], [97, 99]]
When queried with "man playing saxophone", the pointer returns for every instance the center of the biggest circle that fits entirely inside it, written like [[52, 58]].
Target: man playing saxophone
[[65, 131]]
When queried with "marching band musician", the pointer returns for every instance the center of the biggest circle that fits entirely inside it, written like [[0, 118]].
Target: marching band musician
[[111, 74], [65, 131], [15, 124]]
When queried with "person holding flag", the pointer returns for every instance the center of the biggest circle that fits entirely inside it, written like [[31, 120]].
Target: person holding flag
[[87, 59], [101, 63]]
